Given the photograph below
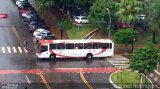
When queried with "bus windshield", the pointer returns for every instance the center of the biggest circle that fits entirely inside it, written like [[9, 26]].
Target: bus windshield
[[43, 48]]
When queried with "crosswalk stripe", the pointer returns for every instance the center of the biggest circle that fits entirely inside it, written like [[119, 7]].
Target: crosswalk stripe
[[25, 50], [14, 49], [3, 50], [20, 50], [9, 50]]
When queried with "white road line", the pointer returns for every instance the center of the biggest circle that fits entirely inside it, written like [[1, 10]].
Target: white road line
[[3, 50], [14, 50], [9, 50], [20, 50], [28, 81], [25, 50]]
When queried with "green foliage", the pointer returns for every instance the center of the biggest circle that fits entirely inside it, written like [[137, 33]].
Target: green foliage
[[99, 15], [44, 4], [129, 80], [153, 14], [125, 36], [66, 24], [145, 59], [128, 9], [80, 2]]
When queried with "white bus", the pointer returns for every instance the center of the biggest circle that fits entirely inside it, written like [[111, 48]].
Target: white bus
[[75, 48]]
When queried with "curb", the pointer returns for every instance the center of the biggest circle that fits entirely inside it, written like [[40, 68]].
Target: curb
[[111, 82], [157, 72], [118, 87]]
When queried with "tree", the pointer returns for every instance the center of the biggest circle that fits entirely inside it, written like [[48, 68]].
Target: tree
[[145, 59], [128, 10], [153, 15], [125, 36], [99, 15], [44, 4]]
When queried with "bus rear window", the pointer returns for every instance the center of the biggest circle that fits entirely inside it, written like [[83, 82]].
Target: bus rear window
[[44, 48]]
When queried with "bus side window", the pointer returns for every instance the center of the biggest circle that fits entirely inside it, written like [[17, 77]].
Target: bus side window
[[44, 48], [105, 45], [95, 46], [52, 46], [61, 46], [79, 46], [88, 46], [69, 46]]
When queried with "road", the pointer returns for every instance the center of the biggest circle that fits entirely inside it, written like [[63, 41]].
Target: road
[[20, 69]]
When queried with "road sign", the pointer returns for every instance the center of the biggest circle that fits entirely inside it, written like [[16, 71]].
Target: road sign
[[4, 16]]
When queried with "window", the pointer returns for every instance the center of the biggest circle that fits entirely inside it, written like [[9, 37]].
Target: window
[[104, 45], [44, 48], [53, 46], [84, 18], [88, 46], [60, 46], [70, 46], [95, 46], [79, 46], [110, 45]]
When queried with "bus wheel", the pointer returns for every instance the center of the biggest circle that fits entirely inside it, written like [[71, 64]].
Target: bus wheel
[[52, 57], [89, 56]]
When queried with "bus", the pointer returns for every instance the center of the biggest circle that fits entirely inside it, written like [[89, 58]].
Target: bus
[[85, 48]]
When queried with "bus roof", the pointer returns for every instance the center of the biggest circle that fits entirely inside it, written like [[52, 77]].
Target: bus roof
[[74, 41]]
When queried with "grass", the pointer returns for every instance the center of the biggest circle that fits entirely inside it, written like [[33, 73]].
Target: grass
[[129, 79], [144, 37], [79, 32]]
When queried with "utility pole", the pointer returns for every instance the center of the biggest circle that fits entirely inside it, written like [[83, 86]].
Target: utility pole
[[109, 33]]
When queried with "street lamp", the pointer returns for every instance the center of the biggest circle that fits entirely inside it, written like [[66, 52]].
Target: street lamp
[[109, 34]]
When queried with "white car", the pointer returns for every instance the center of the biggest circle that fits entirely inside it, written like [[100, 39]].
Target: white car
[[29, 14], [81, 19], [20, 2], [39, 33]]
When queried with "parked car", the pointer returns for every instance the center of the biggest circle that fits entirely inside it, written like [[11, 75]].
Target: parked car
[[28, 14], [21, 1], [32, 26], [49, 37], [29, 19], [39, 31], [81, 19], [25, 7], [39, 35]]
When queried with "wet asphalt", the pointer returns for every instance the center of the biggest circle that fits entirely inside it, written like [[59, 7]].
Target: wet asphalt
[[14, 57]]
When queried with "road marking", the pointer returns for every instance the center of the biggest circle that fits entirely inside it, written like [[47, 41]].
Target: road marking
[[14, 49], [28, 81], [43, 79], [20, 50], [9, 50], [25, 50], [35, 71], [84, 80], [3, 50], [17, 35]]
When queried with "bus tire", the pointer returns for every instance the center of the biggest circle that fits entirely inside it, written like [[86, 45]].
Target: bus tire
[[52, 57], [89, 56]]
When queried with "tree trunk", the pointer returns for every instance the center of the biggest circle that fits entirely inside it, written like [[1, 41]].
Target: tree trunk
[[154, 36], [125, 47]]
